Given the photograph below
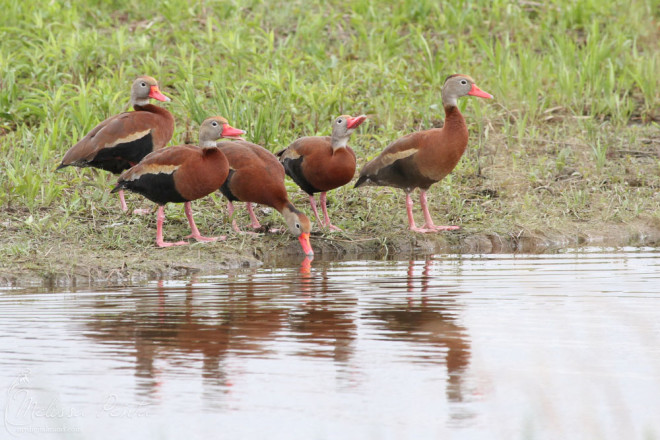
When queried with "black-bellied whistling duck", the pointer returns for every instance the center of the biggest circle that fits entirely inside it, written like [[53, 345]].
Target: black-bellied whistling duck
[[419, 160], [123, 140], [256, 176], [182, 173], [322, 163]]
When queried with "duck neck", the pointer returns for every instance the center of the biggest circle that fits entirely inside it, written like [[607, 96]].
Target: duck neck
[[456, 129], [206, 144], [338, 142], [448, 99], [136, 102], [285, 208], [453, 117]]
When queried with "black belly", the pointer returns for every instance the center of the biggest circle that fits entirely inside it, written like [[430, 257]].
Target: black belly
[[121, 157], [404, 174], [159, 188], [224, 189], [293, 169]]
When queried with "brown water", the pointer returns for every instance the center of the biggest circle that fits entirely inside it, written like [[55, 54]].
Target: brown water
[[464, 347]]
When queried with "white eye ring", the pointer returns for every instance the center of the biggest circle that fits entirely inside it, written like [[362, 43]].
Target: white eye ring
[[143, 84], [339, 121], [297, 225], [463, 82], [215, 124]]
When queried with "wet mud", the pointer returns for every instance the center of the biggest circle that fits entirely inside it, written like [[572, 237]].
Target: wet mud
[[62, 265]]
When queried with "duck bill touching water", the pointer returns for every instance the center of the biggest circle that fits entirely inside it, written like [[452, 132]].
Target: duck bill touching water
[[256, 176]]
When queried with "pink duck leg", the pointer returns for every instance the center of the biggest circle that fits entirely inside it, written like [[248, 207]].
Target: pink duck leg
[[159, 230], [326, 218], [255, 221], [193, 227], [316, 213], [253, 218], [124, 207], [428, 221], [141, 211], [234, 225], [411, 219], [122, 201]]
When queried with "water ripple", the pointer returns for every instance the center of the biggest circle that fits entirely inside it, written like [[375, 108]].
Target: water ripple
[[464, 346]]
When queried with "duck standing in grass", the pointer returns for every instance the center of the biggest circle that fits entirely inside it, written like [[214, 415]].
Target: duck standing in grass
[[256, 176], [418, 160], [123, 140], [323, 163], [181, 174]]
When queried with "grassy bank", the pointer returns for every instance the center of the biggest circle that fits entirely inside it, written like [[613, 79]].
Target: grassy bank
[[568, 150]]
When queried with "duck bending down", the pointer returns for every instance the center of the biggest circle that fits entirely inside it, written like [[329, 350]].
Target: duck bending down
[[256, 176], [181, 174]]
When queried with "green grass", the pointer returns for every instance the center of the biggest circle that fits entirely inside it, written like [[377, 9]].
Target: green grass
[[576, 89]]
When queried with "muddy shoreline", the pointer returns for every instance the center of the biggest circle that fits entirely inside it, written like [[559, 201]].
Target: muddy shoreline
[[508, 197], [63, 265]]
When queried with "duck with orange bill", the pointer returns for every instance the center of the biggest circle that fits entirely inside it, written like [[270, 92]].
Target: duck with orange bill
[[418, 160], [323, 163], [123, 140], [256, 176], [182, 174]]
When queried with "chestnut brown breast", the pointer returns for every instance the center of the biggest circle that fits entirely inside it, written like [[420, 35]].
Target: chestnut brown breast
[[255, 175], [177, 174], [313, 164], [419, 159], [202, 173]]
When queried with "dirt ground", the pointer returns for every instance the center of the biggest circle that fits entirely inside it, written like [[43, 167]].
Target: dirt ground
[[63, 265], [508, 198]]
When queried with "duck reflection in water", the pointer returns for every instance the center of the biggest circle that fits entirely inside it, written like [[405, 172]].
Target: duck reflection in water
[[306, 265], [208, 324], [325, 317], [429, 317], [173, 328]]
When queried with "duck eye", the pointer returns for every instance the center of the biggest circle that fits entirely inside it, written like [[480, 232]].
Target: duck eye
[[297, 225], [339, 121], [464, 82], [215, 124], [143, 84]]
